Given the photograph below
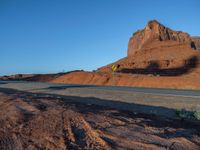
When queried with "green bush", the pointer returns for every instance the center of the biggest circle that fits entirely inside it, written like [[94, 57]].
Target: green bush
[[197, 115], [185, 114]]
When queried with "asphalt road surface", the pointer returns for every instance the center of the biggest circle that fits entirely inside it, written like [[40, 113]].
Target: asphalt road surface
[[145, 100]]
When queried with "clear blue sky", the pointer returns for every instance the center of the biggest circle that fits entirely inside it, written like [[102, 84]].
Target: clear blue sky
[[44, 36]]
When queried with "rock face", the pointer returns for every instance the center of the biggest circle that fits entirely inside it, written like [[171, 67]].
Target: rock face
[[159, 49], [156, 32], [196, 42]]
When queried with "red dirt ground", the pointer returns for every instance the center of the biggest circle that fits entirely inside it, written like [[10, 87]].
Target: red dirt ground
[[40, 121]]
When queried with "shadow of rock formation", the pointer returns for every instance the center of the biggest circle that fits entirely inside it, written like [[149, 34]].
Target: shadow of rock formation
[[154, 68]]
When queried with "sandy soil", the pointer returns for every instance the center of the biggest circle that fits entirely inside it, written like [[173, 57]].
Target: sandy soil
[[40, 121]]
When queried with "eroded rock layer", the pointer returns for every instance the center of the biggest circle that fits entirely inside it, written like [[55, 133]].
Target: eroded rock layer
[[154, 31]]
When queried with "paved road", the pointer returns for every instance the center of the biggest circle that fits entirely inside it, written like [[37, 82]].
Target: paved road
[[27, 86], [124, 97]]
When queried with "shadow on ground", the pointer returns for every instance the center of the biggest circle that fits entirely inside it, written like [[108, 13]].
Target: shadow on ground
[[157, 110], [132, 107]]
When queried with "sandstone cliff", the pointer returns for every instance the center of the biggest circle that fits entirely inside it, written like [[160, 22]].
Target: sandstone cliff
[[157, 57], [157, 47], [156, 32]]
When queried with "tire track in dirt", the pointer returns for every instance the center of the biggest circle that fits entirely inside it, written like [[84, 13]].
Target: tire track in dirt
[[79, 134]]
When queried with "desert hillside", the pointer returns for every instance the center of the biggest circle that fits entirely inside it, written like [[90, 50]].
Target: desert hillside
[[157, 56]]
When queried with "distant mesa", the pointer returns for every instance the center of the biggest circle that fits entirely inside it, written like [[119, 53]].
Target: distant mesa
[[156, 32]]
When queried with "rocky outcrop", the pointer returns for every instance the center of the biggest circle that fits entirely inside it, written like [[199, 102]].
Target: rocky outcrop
[[196, 42], [161, 47], [153, 32]]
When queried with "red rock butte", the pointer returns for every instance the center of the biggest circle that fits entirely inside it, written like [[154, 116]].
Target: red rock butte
[[157, 57], [158, 45], [154, 31]]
